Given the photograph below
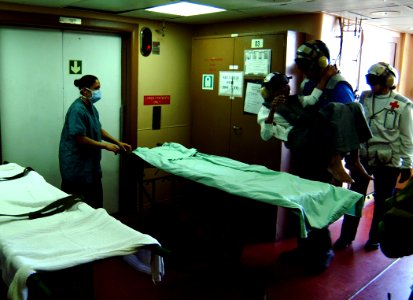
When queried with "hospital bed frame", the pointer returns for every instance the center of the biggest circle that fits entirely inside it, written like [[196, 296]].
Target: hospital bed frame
[[265, 217], [79, 282], [76, 282]]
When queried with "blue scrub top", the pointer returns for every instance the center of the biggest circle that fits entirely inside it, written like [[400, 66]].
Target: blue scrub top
[[341, 93], [80, 163]]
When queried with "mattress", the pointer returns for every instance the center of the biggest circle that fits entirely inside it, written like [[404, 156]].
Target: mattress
[[78, 235]]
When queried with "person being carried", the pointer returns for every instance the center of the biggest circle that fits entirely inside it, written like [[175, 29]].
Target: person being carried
[[332, 130], [307, 161]]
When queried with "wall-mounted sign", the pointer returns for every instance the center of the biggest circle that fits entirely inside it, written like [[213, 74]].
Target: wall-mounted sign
[[68, 20], [253, 99], [75, 67], [257, 43], [156, 48], [207, 81], [156, 100], [231, 83], [257, 62]]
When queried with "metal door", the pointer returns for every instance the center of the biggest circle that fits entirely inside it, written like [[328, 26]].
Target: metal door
[[210, 112], [245, 142], [37, 88]]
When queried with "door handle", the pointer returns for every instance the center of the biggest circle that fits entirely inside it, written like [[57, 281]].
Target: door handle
[[237, 129]]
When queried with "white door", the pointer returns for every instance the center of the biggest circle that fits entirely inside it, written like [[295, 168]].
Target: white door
[[100, 55], [36, 89]]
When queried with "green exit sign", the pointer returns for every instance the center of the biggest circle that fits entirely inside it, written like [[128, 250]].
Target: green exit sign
[[75, 67]]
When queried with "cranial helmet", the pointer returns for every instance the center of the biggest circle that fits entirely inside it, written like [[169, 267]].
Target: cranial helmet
[[272, 82], [312, 55], [275, 80], [382, 73]]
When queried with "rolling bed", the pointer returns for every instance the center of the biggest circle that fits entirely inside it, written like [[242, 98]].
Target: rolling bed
[[75, 236], [317, 204]]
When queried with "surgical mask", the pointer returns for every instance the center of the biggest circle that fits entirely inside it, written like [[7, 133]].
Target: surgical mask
[[96, 95]]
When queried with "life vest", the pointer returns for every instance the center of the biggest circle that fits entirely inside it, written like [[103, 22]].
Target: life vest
[[328, 91]]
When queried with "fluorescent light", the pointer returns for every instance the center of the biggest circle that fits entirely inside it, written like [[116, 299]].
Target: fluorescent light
[[185, 9], [385, 13]]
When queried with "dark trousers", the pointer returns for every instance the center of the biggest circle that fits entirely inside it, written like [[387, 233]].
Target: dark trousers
[[385, 180], [91, 192], [318, 243]]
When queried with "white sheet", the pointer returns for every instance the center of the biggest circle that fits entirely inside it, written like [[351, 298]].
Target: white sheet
[[79, 235]]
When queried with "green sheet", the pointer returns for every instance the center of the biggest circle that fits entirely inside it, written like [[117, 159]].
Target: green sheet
[[317, 204]]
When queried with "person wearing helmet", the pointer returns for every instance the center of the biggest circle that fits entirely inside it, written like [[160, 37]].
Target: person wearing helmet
[[316, 135], [312, 57], [388, 154], [331, 131]]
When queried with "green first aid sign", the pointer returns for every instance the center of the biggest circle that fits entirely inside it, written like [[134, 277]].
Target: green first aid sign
[[207, 81], [75, 67]]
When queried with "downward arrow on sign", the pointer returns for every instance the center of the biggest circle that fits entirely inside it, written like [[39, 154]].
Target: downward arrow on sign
[[75, 68]]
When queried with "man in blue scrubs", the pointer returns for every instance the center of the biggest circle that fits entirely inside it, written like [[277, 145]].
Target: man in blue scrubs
[[81, 143]]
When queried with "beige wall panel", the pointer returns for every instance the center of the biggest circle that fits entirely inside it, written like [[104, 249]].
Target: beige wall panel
[[307, 23], [150, 138], [405, 84], [165, 74]]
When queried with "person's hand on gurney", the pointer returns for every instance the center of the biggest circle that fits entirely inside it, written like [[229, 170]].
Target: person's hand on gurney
[[119, 147], [124, 147], [115, 145]]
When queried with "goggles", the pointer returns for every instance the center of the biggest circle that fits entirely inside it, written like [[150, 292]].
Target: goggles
[[304, 63], [373, 79]]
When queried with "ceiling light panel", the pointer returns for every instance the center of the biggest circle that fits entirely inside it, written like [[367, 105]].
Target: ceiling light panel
[[185, 9]]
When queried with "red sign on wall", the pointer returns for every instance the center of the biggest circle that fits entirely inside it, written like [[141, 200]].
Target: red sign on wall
[[156, 100]]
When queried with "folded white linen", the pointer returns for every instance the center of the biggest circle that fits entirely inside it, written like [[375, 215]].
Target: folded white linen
[[79, 235]]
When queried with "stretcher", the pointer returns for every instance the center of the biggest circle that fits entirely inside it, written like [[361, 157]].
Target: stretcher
[[317, 204], [75, 236]]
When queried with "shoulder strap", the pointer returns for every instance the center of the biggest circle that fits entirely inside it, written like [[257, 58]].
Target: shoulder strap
[[51, 209], [21, 174], [334, 80], [328, 94]]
